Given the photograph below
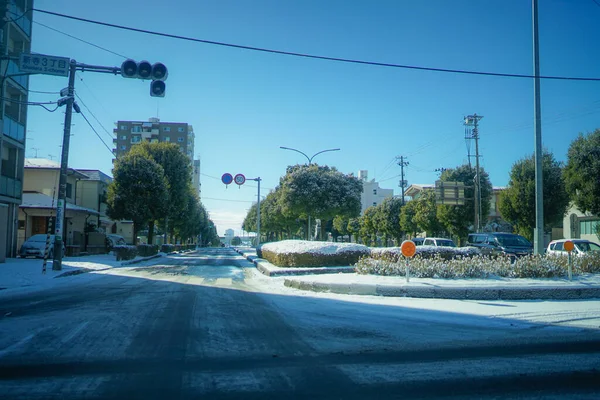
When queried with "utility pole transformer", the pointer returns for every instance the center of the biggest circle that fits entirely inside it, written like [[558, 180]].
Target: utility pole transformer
[[473, 121], [402, 163]]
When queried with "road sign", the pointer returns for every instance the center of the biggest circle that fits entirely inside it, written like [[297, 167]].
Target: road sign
[[227, 178], [43, 64], [240, 179], [569, 246], [408, 248], [450, 193]]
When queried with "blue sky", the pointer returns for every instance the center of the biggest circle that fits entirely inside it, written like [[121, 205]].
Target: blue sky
[[244, 105]]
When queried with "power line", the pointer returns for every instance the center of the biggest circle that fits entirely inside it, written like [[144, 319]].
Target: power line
[[93, 116], [313, 56], [96, 132], [596, 2], [80, 39], [233, 201], [94, 96]]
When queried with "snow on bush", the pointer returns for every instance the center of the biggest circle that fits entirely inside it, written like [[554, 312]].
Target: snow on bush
[[302, 253], [446, 253], [534, 266]]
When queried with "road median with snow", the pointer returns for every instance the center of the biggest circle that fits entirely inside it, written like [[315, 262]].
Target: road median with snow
[[582, 287]]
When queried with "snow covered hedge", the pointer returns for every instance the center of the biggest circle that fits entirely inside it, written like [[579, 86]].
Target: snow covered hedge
[[478, 266], [446, 253], [125, 252], [302, 253]]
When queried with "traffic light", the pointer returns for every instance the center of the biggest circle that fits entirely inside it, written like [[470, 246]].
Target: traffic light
[[144, 70]]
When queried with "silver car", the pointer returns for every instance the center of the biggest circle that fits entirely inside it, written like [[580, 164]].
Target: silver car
[[36, 245]]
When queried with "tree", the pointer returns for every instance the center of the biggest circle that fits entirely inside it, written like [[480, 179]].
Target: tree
[[425, 216], [354, 228], [138, 191], [319, 192], [388, 218], [407, 218], [177, 171], [582, 172], [368, 226], [517, 202], [457, 219], [236, 241], [249, 223], [340, 225]]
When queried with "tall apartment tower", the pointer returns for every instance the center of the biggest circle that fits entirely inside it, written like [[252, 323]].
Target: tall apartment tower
[[130, 133], [15, 38]]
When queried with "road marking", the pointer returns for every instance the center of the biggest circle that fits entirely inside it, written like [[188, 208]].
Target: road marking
[[75, 332], [14, 346]]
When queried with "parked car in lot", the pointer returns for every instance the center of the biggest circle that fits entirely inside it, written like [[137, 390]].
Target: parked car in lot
[[439, 242], [418, 241], [508, 244], [36, 245], [582, 246]]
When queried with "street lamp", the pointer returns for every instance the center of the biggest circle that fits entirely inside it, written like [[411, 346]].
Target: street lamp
[[309, 163], [304, 154]]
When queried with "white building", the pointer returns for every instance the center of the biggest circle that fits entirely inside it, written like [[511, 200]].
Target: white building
[[372, 194], [580, 225], [229, 235]]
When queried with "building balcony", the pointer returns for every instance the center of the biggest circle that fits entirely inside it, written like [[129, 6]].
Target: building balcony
[[10, 187], [12, 70], [13, 129], [23, 21]]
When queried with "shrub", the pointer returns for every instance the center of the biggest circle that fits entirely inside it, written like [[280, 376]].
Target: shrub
[[167, 248], [125, 252], [301, 253], [446, 253], [147, 250]]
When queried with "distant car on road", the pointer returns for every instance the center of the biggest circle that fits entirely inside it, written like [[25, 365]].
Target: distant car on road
[[582, 247], [439, 242], [35, 246], [508, 244]]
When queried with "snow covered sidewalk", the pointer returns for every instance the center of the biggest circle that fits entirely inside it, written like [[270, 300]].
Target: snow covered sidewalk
[[20, 272], [582, 287]]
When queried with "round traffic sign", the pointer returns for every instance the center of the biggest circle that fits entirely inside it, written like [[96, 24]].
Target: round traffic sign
[[240, 179], [569, 246], [227, 178], [408, 248]]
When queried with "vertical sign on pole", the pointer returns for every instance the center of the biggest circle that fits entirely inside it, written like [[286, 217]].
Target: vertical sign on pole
[[409, 249], [569, 246]]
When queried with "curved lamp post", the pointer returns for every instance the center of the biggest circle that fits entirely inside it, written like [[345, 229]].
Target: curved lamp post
[[309, 163]]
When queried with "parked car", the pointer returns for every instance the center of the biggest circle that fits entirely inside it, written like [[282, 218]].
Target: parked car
[[113, 240], [439, 242], [508, 244], [418, 241], [35, 246], [582, 246]]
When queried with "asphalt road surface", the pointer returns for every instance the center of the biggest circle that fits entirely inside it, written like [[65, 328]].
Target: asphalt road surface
[[200, 325]]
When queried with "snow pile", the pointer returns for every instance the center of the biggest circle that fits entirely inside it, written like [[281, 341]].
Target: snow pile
[[304, 246], [300, 253]]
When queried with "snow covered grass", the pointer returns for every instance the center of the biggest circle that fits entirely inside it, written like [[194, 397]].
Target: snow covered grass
[[301, 253], [482, 267]]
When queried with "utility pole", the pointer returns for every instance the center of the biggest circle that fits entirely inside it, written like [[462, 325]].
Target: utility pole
[[64, 161], [538, 233], [473, 121], [36, 151], [402, 163]]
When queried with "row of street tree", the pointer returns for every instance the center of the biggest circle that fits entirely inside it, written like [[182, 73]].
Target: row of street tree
[[152, 187], [324, 193]]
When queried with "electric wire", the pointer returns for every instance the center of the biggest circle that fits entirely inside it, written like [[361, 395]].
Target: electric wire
[[93, 116], [96, 132], [313, 56]]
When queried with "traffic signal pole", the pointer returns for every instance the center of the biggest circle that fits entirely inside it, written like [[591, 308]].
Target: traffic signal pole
[[143, 70], [64, 162]]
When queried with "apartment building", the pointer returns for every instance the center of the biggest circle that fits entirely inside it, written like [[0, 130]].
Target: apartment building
[[15, 38], [372, 194]]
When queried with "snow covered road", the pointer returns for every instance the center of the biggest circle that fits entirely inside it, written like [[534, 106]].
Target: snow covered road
[[207, 325]]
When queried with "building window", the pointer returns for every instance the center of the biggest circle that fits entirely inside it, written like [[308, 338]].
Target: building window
[[124, 137], [180, 139], [374, 203], [136, 128], [166, 129], [123, 127], [136, 139], [588, 227], [123, 147], [167, 139], [180, 129], [375, 192], [69, 190]]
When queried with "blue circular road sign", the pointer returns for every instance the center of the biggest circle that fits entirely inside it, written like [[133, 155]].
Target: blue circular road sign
[[227, 178]]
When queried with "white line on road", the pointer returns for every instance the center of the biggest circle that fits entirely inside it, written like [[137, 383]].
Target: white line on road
[[67, 338], [14, 346]]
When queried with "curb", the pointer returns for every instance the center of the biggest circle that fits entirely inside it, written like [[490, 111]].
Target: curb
[[578, 292]]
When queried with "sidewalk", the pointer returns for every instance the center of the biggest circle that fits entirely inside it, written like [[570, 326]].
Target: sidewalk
[[21, 272], [271, 270], [582, 287]]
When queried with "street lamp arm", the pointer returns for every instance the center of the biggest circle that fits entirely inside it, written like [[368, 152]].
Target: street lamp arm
[[297, 151], [322, 151]]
